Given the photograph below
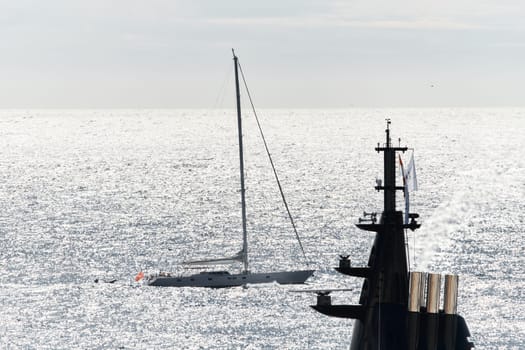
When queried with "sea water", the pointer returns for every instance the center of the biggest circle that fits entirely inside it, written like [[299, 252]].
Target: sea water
[[103, 194]]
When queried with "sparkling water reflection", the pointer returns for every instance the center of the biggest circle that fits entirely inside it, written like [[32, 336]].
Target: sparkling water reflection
[[104, 194]]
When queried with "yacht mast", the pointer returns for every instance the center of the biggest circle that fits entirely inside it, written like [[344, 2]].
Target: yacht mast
[[241, 161]]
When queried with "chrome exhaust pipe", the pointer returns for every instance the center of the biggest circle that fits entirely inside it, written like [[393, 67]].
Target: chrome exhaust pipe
[[433, 289], [424, 276], [450, 320], [450, 303], [415, 291], [415, 296], [432, 316]]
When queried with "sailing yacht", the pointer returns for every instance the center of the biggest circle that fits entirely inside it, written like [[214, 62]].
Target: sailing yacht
[[219, 279]]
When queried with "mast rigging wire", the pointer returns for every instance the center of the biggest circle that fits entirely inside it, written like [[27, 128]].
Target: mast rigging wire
[[271, 162]]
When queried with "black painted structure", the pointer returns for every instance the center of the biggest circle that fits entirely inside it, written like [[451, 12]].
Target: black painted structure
[[382, 319]]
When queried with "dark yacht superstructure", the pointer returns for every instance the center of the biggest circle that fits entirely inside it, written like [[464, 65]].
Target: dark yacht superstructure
[[394, 312]]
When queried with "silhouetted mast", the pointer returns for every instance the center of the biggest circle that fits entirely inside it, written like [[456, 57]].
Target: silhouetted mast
[[241, 167], [389, 171], [384, 319]]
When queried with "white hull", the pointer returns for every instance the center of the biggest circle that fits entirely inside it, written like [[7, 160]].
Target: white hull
[[222, 279]]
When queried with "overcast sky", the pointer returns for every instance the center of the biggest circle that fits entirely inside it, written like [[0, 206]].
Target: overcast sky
[[295, 53]]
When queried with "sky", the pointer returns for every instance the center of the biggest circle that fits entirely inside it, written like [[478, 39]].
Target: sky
[[295, 53]]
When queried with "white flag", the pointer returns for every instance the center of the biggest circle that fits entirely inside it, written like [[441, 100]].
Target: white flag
[[410, 175], [405, 190]]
